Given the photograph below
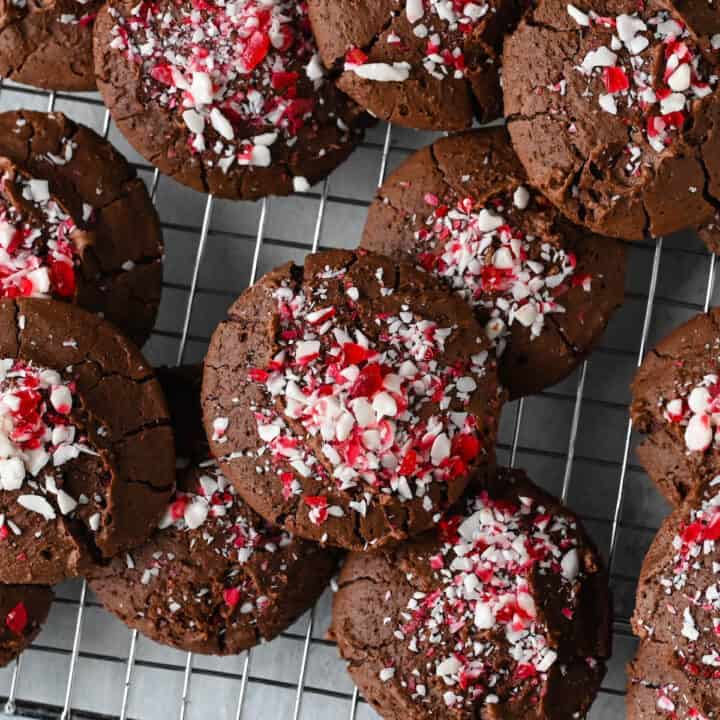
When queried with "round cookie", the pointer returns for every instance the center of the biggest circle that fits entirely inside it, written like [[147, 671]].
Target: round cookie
[[675, 401], [614, 111], [226, 98], [430, 65], [118, 246], [543, 289], [677, 614], [48, 45], [23, 611], [350, 400], [215, 578], [504, 611], [86, 451]]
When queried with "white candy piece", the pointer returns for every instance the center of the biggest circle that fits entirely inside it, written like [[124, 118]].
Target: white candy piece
[[698, 434], [415, 10], [201, 88], [221, 124], [578, 16], [521, 197], [12, 473], [570, 565], [680, 80], [382, 72], [602, 57], [194, 120], [38, 504]]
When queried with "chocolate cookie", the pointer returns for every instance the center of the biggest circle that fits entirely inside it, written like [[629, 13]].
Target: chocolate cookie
[[677, 615], [48, 44], [428, 65], [676, 400], [108, 240], [502, 612], [614, 110], [86, 451], [230, 98], [215, 578], [350, 400], [23, 611], [544, 290]]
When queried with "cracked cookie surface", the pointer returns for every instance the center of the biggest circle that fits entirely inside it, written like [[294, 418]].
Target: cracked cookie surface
[[675, 400], [86, 457], [544, 289], [350, 400], [119, 247], [614, 111], [502, 612], [425, 64], [677, 616], [230, 99], [215, 578], [48, 44]]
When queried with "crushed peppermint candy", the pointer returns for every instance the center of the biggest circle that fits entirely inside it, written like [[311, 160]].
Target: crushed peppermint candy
[[622, 74], [241, 77], [698, 411], [368, 410], [444, 28], [688, 590], [37, 437], [511, 276], [38, 254], [477, 600]]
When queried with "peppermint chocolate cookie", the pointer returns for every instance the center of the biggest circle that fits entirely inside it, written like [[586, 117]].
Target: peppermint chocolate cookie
[[426, 64], [76, 223], [676, 404], [613, 109], [48, 45], [23, 611], [215, 578], [350, 400], [86, 451], [543, 289], [228, 98], [677, 616], [502, 612]]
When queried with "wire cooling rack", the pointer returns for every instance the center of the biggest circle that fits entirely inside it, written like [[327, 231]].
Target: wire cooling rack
[[575, 440]]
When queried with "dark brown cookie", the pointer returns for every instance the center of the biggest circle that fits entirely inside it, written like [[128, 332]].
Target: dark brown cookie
[[503, 612], [676, 400], [86, 452], [118, 249], [350, 400], [226, 98], [430, 65], [677, 615], [544, 289], [215, 578], [48, 44], [614, 110]]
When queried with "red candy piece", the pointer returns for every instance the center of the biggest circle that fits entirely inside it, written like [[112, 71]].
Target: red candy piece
[[17, 619]]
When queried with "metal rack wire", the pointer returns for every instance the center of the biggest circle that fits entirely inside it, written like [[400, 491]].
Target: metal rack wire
[[522, 442]]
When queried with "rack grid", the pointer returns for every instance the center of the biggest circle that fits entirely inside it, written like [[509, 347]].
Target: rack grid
[[574, 439]]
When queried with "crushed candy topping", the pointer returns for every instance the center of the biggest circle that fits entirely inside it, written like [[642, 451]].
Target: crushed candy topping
[[623, 77], [512, 276], [37, 437], [216, 520], [238, 75], [442, 25], [698, 411], [695, 557], [364, 403], [37, 251], [482, 600]]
